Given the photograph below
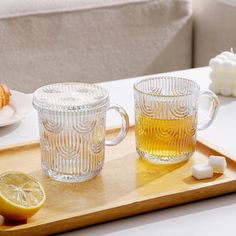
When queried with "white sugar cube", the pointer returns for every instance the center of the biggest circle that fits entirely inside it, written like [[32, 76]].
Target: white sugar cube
[[202, 171], [218, 163]]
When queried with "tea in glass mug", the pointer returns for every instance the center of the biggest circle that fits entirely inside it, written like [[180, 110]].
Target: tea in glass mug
[[166, 118]]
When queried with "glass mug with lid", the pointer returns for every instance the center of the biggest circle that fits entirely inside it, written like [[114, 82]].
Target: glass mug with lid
[[166, 118], [72, 120]]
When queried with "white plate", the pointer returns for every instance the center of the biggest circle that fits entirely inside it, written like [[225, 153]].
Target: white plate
[[19, 107]]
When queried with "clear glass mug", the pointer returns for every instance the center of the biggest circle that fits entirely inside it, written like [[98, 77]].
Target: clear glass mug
[[72, 120], [166, 118]]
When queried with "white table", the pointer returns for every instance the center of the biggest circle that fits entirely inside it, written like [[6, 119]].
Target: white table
[[208, 217]]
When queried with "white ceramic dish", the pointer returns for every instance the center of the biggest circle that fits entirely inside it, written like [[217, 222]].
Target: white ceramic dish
[[19, 107]]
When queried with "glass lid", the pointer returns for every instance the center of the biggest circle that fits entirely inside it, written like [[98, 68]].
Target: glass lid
[[70, 97]]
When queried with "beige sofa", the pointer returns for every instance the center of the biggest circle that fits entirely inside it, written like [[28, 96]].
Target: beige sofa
[[45, 41]]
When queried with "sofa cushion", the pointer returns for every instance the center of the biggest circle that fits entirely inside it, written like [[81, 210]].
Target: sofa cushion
[[43, 42]]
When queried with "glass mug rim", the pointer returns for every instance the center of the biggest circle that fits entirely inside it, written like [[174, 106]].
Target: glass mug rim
[[169, 78], [166, 117]]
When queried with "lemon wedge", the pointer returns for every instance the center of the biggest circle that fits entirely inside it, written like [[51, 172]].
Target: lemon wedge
[[21, 196]]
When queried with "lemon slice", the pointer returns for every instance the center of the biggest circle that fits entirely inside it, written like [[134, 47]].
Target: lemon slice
[[21, 196]]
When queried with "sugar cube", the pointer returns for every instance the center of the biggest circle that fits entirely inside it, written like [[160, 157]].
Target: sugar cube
[[218, 163], [202, 171]]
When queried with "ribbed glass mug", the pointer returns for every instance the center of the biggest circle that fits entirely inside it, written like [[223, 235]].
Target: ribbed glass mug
[[72, 120], [166, 118]]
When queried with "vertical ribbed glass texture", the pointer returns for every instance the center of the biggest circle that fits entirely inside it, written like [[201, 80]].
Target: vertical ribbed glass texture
[[72, 130], [166, 119]]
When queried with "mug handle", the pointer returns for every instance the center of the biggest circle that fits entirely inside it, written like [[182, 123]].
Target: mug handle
[[124, 127], [212, 111]]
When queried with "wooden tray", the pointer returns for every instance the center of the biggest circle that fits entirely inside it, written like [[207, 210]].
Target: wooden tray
[[127, 186]]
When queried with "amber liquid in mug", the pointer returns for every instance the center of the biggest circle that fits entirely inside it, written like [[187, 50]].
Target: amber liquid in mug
[[166, 137]]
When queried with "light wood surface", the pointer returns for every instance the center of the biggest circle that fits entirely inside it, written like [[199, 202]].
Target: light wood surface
[[126, 186]]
